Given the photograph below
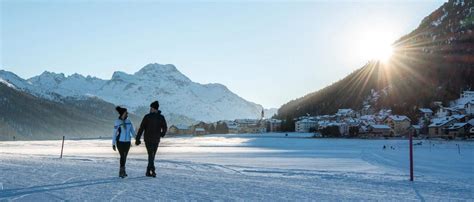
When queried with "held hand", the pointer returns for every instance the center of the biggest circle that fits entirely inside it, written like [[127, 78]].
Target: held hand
[[137, 142], [113, 147]]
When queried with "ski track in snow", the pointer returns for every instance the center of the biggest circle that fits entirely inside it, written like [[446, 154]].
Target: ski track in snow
[[243, 167]]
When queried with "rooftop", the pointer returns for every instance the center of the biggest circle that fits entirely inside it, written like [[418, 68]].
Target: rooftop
[[376, 126]]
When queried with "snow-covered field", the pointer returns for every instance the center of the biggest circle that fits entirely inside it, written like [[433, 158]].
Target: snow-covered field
[[239, 167]]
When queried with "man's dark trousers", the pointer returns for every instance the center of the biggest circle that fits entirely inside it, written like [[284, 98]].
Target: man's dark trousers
[[151, 148]]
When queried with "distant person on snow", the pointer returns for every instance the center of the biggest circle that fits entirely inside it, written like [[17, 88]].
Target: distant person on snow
[[123, 132], [154, 125]]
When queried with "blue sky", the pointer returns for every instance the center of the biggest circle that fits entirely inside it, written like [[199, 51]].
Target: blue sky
[[268, 52]]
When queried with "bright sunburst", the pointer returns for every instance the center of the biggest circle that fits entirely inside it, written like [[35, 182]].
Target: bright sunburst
[[376, 45]]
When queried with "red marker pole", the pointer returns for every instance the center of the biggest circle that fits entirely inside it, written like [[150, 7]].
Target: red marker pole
[[411, 157], [62, 147]]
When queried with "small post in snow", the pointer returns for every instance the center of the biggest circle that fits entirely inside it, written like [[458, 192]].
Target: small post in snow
[[62, 147], [411, 157], [459, 149]]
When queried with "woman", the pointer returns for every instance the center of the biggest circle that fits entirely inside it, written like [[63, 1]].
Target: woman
[[123, 132]]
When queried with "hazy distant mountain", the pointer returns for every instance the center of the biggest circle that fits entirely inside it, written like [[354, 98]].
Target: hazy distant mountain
[[178, 95], [432, 63], [29, 117]]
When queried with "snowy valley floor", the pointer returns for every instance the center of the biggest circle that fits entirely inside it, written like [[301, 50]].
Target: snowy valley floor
[[239, 167]]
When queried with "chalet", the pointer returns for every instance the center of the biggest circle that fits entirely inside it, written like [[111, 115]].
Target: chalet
[[399, 124], [458, 130], [379, 130], [305, 125], [199, 131], [425, 113], [436, 128], [179, 129]]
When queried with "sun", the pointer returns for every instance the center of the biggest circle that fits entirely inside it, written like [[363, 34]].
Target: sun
[[375, 46]]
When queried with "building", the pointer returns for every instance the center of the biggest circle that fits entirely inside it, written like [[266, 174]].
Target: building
[[436, 128], [367, 110], [368, 119], [343, 128], [399, 124], [449, 111], [199, 131], [469, 108], [273, 125], [179, 129], [376, 130], [460, 117], [467, 95], [251, 126], [416, 130], [471, 122], [260, 128], [346, 113], [458, 130], [426, 113], [234, 129], [305, 125], [247, 122], [471, 132]]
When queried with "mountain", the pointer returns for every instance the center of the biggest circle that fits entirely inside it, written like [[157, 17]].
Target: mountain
[[182, 99], [12, 80], [51, 105], [29, 117], [434, 62]]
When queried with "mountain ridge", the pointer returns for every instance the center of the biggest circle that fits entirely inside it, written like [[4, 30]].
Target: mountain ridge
[[437, 57], [176, 92]]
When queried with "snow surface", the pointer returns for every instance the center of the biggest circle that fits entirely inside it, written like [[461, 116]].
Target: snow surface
[[236, 167]]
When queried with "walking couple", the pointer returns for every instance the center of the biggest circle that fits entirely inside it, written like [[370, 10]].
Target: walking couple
[[154, 126]]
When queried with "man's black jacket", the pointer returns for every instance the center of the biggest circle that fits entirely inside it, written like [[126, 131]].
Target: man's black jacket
[[154, 125]]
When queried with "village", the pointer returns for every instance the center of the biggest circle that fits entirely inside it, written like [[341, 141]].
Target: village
[[454, 122]]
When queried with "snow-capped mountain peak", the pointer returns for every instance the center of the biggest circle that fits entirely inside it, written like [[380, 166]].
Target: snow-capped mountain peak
[[156, 71], [48, 78]]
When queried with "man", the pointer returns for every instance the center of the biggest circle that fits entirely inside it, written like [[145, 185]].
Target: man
[[154, 125]]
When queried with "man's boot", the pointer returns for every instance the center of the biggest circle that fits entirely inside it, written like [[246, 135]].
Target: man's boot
[[122, 172], [148, 173], [153, 174]]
